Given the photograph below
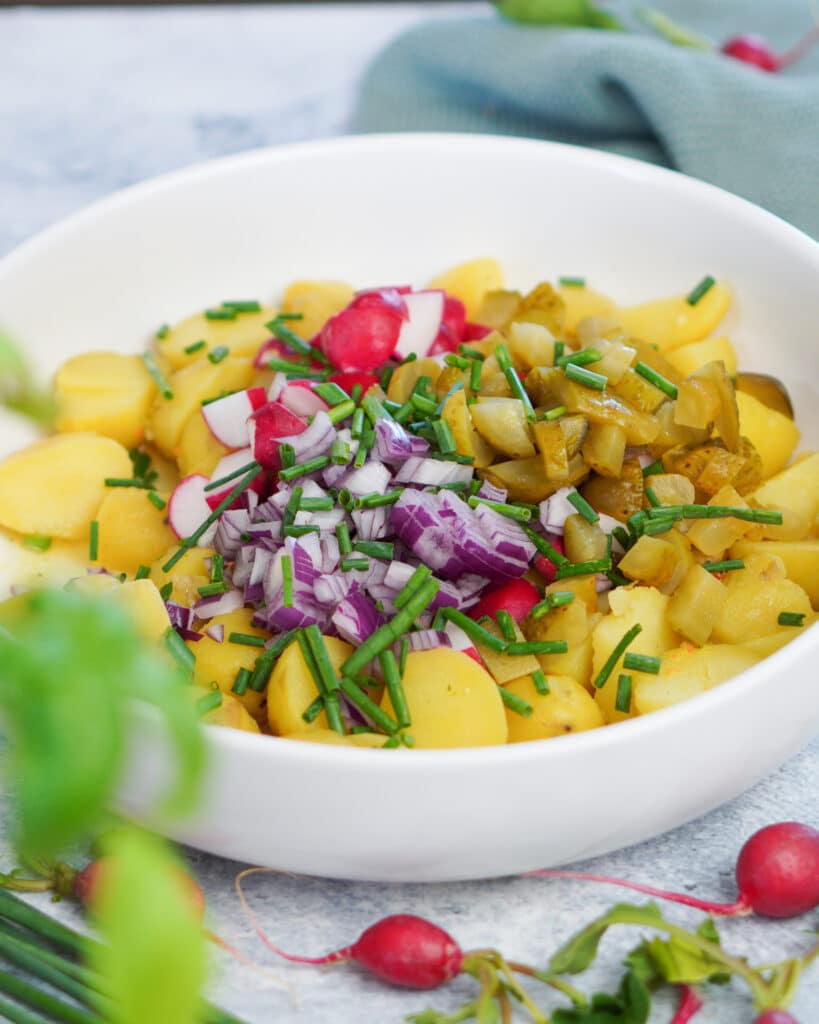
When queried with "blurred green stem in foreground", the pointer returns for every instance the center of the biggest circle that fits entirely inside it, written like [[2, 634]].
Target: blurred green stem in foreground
[[18, 392], [558, 12]]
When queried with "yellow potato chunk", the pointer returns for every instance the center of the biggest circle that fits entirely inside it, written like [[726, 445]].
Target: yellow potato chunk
[[796, 487], [191, 386], [230, 714], [581, 303], [219, 663], [800, 558], [566, 708], [688, 358], [317, 301], [713, 536], [505, 667], [669, 323], [55, 487], [453, 702], [467, 440], [244, 336], [189, 573], [629, 606], [697, 604], [132, 531], [106, 393], [774, 435], [140, 599], [334, 739], [199, 451], [688, 671], [470, 281], [292, 690], [756, 596]]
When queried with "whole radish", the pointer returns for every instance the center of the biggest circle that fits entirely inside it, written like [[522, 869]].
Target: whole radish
[[753, 49], [777, 875]]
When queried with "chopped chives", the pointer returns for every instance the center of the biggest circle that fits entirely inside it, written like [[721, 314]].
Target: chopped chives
[[195, 346], [330, 697], [220, 314], [267, 659], [791, 619], [156, 500], [621, 536], [459, 362], [514, 703], [287, 581], [750, 515], [177, 647], [516, 512], [471, 353], [352, 564], [418, 578], [422, 386], [358, 423], [246, 639], [618, 579], [213, 589], [312, 711], [217, 567], [158, 376], [240, 684], [243, 306], [322, 658], [395, 688], [292, 506], [387, 634], [163, 332], [444, 437], [93, 541], [287, 455], [374, 408], [727, 565], [653, 468], [623, 700], [581, 358], [340, 453], [555, 414], [705, 285], [657, 379], [36, 542], [386, 377], [364, 446], [345, 545], [304, 468], [545, 548], [572, 282], [216, 484], [210, 702], [409, 358], [507, 625], [122, 577], [636, 520], [287, 316], [142, 573], [588, 378], [616, 654], [402, 660], [538, 647], [583, 568], [405, 412], [514, 381], [541, 684], [375, 548], [423, 404], [462, 460], [475, 370], [346, 499], [331, 393], [653, 500], [355, 393], [559, 349], [219, 353], [118, 481], [642, 663], [341, 411], [353, 692], [287, 366], [166, 590], [316, 504], [472, 629], [292, 340], [583, 507], [550, 602]]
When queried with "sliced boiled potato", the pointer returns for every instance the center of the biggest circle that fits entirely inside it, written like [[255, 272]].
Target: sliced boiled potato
[[186, 576], [106, 393], [317, 301], [230, 714], [132, 531], [55, 487], [796, 487], [800, 558], [199, 451], [755, 597], [243, 336], [774, 435], [669, 323], [142, 602], [470, 282], [502, 423], [566, 708], [292, 689], [688, 671], [697, 604], [220, 663], [571, 623], [335, 739], [714, 536], [688, 358], [581, 303]]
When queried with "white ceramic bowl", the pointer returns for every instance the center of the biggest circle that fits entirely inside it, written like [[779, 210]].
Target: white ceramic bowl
[[399, 208]]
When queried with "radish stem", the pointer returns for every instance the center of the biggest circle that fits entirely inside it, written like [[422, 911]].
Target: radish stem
[[690, 1004]]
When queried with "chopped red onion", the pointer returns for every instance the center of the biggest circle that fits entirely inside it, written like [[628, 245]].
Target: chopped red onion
[[232, 524], [371, 478], [219, 604], [394, 444], [216, 632], [492, 493], [371, 523], [356, 618], [421, 472], [317, 439], [556, 509]]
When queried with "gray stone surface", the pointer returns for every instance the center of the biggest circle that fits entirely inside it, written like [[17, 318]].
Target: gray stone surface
[[92, 100]]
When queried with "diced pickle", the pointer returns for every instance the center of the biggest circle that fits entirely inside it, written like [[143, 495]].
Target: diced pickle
[[544, 306], [584, 541], [638, 392], [714, 536], [502, 422], [651, 560], [697, 604], [604, 448], [672, 488], [697, 404], [727, 418], [525, 480], [530, 345], [617, 358], [618, 497], [467, 440], [710, 467], [575, 429], [406, 376], [551, 443], [498, 307], [671, 434]]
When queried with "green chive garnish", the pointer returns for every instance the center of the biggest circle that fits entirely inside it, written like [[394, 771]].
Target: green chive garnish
[[177, 647], [387, 634], [550, 602], [118, 481], [157, 501], [218, 354], [588, 378], [353, 692], [402, 660], [621, 535], [287, 581], [559, 349], [142, 573], [538, 647], [375, 548], [545, 548], [514, 703], [581, 358], [395, 688], [311, 713], [243, 306], [330, 697], [213, 589], [288, 366], [705, 285], [163, 332], [556, 413], [159, 377], [210, 702], [444, 437], [358, 423], [36, 542], [749, 515], [287, 454], [516, 512], [292, 506], [241, 682], [214, 485], [322, 658], [220, 314], [303, 468], [653, 468], [316, 504], [572, 282], [642, 663], [568, 569], [728, 565], [657, 379], [94, 541], [514, 381], [331, 393], [652, 498], [374, 408], [791, 619], [341, 411], [265, 662], [404, 413], [293, 341], [541, 684], [340, 453], [583, 507], [615, 655], [195, 346], [414, 583], [351, 564], [472, 629], [345, 545], [507, 626], [471, 353], [623, 700], [166, 590], [246, 639], [424, 405]]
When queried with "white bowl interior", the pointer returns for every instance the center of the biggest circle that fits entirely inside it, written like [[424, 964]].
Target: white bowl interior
[[387, 209]]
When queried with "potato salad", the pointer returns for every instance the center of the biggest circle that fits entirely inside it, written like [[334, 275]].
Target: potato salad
[[453, 516]]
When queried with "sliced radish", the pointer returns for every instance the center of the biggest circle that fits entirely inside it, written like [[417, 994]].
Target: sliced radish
[[266, 426], [461, 642], [227, 417], [300, 397], [189, 508], [364, 335], [475, 332], [228, 465], [426, 314], [347, 380]]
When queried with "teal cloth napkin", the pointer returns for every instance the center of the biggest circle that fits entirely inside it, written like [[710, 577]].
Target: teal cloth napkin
[[751, 132]]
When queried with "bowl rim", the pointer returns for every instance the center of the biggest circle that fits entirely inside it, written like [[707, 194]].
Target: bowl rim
[[754, 678]]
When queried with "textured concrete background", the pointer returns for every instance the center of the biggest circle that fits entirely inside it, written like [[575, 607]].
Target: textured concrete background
[[94, 100]]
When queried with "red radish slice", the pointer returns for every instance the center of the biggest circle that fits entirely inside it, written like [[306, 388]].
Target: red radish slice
[[377, 298], [461, 642], [228, 465], [348, 379], [189, 508], [475, 332], [266, 426], [227, 417], [517, 597], [364, 335], [452, 327], [299, 397], [426, 314]]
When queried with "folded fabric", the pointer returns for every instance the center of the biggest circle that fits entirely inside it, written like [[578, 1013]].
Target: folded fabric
[[749, 131]]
